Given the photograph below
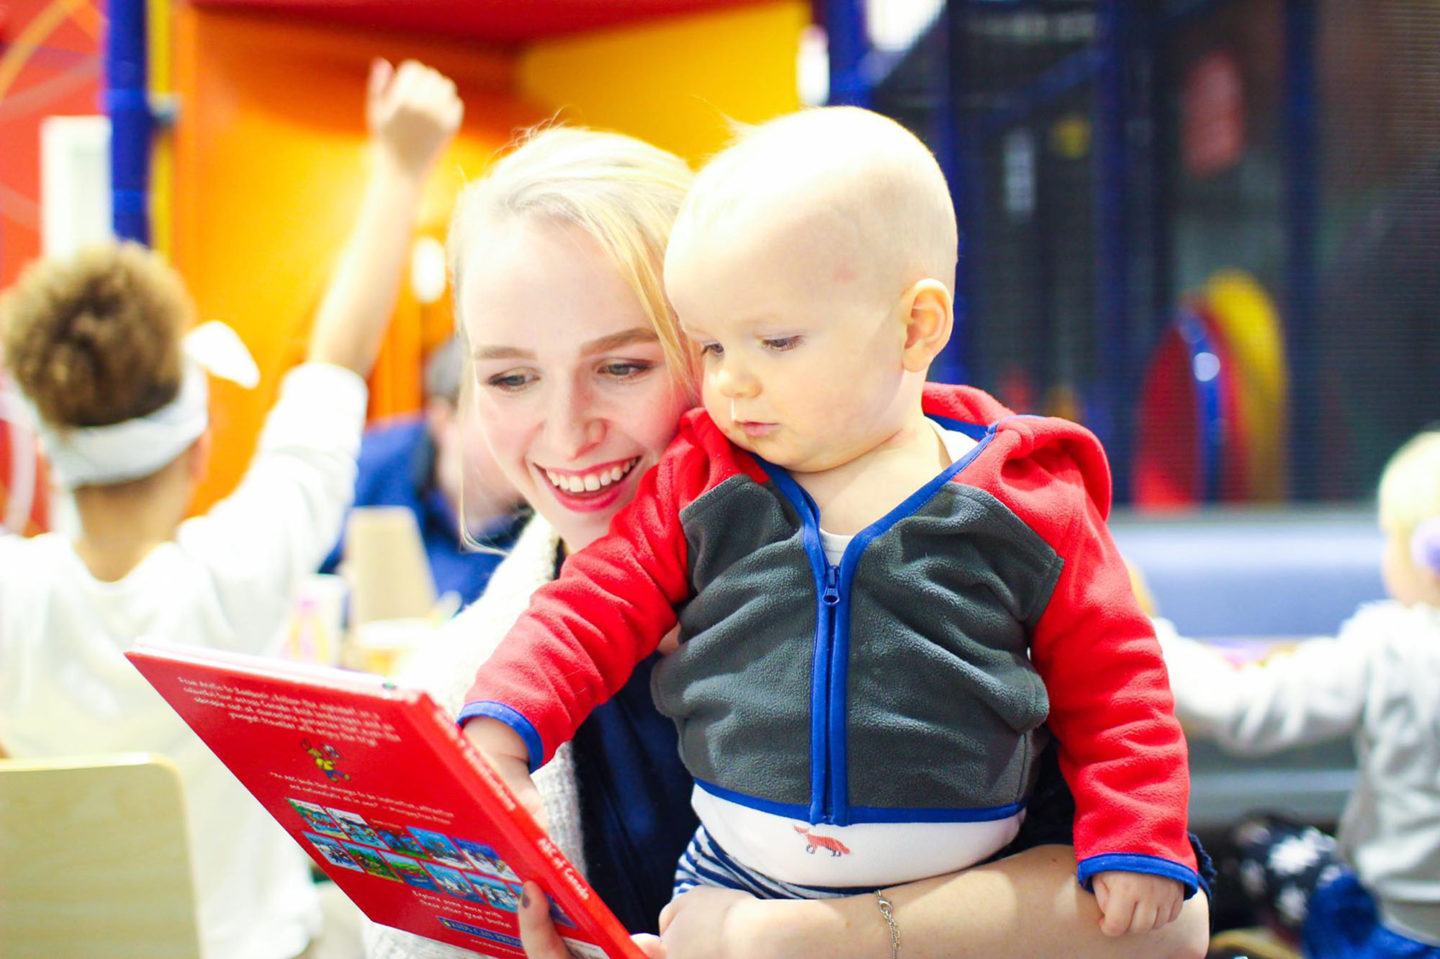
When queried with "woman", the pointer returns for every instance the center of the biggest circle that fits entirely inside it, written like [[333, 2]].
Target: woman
[[579, 376]]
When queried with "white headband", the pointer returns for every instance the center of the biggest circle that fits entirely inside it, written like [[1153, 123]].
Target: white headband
[[130, 449]]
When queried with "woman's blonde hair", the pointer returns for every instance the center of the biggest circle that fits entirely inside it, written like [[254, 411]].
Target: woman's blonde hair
[[620, 190], [96, 338], [1410, 484]]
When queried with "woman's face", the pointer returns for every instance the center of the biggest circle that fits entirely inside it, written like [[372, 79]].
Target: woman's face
[[572, 389]]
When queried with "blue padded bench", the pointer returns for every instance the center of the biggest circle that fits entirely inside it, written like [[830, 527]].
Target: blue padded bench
[[1243, 573]]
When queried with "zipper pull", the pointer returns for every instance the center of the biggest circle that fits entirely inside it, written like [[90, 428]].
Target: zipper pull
[[832, 586]]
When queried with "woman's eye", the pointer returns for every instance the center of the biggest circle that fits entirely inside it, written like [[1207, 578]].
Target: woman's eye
[[781, 343], [510, 382], [711, 349], [626, 369]]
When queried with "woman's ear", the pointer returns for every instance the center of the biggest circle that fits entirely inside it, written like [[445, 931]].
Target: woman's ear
[[929, 314]]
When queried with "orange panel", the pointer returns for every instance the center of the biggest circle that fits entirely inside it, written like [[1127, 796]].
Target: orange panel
[[269, 165], [676, 81]]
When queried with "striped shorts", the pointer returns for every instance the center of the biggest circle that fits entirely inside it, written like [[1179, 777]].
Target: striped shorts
[[704, 863]]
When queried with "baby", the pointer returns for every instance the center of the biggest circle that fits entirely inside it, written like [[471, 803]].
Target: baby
[[886, 590], [1374, 889]]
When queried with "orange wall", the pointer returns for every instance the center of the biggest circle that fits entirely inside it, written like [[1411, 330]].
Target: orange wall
[[267, 157], [268, 167], [674, 82]]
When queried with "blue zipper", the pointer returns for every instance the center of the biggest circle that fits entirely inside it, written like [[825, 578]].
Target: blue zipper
[[829, 673]]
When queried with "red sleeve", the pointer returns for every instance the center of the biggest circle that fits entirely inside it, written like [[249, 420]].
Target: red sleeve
[[1121, 748], [582, 635]]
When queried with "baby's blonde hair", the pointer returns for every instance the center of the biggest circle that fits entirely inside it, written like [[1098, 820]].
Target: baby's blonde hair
[[622, 191], [96, 338], [1409, 490], [874, 178]]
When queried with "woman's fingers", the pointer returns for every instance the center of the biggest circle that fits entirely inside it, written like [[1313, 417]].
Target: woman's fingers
[[537, 930]]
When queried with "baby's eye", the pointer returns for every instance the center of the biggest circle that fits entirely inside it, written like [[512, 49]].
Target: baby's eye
[[781, 343], [712, 349]]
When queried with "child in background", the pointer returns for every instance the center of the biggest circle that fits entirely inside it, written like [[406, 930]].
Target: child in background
[[97, 344], [1374, 890], [864, 566], [466, 511]]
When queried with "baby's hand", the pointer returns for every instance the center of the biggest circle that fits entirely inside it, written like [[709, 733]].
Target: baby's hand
[[503, 748], [1135, 901]]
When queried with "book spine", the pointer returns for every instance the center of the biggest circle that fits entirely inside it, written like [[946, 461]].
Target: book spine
[[538, 850]]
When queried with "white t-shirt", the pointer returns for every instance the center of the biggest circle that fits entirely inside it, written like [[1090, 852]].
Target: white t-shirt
[[226, 581]]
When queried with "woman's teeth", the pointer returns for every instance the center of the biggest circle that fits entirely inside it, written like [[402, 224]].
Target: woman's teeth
[[590, 482]]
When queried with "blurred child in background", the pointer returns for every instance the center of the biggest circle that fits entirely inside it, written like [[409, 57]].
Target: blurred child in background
[[97, 343], [1374, 889]]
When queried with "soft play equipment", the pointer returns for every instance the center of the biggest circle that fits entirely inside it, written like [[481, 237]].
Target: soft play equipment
[[1210, 422]]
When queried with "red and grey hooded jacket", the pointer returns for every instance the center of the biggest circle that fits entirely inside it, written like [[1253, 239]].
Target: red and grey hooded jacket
[[913, 681]]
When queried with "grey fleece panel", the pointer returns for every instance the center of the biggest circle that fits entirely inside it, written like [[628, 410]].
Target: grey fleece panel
[[942, 694], [943, 704], [740, 681]]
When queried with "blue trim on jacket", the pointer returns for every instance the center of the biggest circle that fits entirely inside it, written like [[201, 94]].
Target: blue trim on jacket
[[866, 814], [1137, 862], [489, 709]]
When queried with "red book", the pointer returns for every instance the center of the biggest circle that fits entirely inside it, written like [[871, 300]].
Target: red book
[[379, 786]]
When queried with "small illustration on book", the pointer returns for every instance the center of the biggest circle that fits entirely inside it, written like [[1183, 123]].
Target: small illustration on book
[[371, 861], [317, 818], [332, 851], [412, 871], [397, 839], [453, 882], [355, 827], [326, 758], [485, 859], [439, 847], [498, 894]]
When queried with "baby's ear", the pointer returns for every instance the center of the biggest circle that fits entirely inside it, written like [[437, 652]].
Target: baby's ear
[[929, 314]]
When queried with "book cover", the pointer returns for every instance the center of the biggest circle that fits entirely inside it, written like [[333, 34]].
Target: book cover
[[379, 786]]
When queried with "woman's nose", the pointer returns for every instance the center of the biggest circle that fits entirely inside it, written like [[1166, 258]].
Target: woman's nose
[[573, 422]]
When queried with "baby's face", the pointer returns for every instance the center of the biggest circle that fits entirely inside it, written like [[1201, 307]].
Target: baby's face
[[802, 355]]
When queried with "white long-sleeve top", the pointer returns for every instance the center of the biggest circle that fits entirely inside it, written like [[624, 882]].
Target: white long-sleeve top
[[227, 580], [445, 667], [1378, 682]]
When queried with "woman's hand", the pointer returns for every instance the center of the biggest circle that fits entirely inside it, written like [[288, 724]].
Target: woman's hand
[[540, 939], [697, 924]]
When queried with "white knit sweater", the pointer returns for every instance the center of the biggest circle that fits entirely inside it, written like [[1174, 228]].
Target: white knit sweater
[[1378, 681], [445, 667]]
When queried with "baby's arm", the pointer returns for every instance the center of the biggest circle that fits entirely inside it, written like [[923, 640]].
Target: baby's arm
[[581, 636], [503, 748], [1135, 901]]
